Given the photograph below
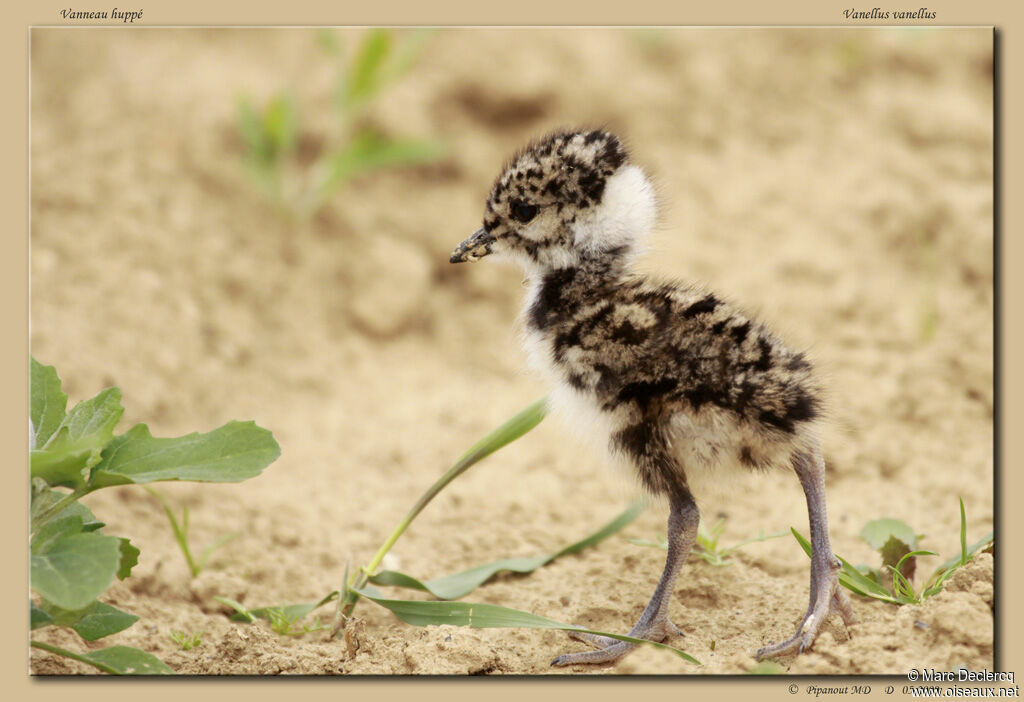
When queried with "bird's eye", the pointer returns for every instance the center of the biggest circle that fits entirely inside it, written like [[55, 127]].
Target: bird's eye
[[524, 211]]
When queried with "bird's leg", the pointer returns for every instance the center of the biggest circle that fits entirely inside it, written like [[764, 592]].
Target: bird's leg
[[826, 597], [654, 624]]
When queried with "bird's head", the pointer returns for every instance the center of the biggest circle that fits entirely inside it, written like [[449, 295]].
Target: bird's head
[[565, 199]]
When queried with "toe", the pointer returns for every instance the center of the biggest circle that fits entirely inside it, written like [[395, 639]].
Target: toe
[[605, 655], [593, 639]]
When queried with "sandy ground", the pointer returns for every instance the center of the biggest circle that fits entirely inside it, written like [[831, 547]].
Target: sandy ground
[[836, 182]]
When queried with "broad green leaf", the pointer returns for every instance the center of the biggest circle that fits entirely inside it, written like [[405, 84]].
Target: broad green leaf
[[37, 617], [483, 616], [46, 498], [116, 660], [76, 444], [92, 622], [126, 660], [877, 533], [362, 77], [62, 525], [231, 453], [46, 400], [76, 569], [452, 587], [129, 558]]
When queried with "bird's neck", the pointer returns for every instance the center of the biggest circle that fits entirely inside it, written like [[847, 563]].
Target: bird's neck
[[555, 293]]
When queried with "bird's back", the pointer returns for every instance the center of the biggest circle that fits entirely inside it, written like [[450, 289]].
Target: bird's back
[[632, 356]]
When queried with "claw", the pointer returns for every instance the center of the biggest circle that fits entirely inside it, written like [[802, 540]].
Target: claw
[[807, 632]]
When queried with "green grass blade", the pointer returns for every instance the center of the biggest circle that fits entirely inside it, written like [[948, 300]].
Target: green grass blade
[[663, 545], [761, 536], [293, 612], [972, 550], [405, 55], [250, 128], [804, 543], [963, 533], [204, 556], [451, 587], [238, 607], [849, 577], [362, 78], [508, 432], [483, 616], [368, 152]]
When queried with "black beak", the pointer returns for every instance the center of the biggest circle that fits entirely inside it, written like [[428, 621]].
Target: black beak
[[473, 248]]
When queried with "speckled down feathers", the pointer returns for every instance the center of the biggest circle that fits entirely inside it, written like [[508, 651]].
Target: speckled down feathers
[[678, 371], [673, 378]]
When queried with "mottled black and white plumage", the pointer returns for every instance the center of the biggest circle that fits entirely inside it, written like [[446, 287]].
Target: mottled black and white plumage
[[666, 377]]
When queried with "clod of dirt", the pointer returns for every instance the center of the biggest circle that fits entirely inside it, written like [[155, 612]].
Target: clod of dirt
[[501, 111]]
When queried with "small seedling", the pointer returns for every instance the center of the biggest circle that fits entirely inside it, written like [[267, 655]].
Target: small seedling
[[187, 641], [282, 618], [707, 543], [284, 623], [897, 544], [73, 454], [271, 135], [180, 529]]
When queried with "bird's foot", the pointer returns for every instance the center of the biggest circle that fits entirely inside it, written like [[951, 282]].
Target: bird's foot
[[829, 599], [610, 650]]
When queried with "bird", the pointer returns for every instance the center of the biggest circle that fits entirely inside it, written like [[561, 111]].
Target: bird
[[663, 376]]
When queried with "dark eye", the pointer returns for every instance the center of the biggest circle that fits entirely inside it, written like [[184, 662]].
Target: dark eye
[[523, 211]]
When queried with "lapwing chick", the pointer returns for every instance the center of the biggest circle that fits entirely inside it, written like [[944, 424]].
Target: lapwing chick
[[665, 377]]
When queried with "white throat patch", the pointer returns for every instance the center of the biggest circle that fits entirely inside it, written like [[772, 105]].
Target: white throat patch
[[625, 216]]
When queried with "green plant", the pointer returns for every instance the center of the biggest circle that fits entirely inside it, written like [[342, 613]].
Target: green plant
[[187, 641], [270, 135], [477, 615], [180, 529], [707, 543], [73, 454], [897, 544]]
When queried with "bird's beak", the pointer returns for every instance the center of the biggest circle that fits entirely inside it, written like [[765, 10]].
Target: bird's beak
[[473, 248]]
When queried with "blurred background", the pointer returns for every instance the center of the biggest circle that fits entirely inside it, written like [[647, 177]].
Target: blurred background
[[256, 223]]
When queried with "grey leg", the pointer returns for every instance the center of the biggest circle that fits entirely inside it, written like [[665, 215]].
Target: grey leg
[[826, 595], [654, 624]]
